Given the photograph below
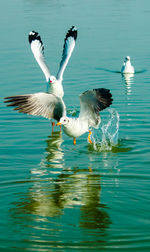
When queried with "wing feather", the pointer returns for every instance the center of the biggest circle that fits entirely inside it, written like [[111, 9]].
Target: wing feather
[[92, 102], [38, 104], [37, 49], [69, 44]]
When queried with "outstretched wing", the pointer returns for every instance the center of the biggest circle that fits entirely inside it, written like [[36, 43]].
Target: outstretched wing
[[38, 104], [69, 44], [38, 52], [92, 102]]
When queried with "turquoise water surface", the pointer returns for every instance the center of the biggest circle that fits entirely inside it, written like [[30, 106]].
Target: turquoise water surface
[[54, 195]]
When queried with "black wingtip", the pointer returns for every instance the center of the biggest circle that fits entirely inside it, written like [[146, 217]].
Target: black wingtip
[[33, 35], [16, 101], [104, 96], [72, 32]]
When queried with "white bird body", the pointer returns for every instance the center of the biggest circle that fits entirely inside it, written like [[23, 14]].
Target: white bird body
[[76, 127], [127, 67], [56, 88]]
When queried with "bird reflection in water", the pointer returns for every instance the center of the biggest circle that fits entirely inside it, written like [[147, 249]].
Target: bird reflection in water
[[53, 157], [54, 152], [93, 213], [73, 192], [128, 79], [50, 193], [78, 189]]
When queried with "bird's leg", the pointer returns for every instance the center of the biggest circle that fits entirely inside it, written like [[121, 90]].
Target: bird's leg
[[89, 139], [74, 140], [53, 124], [59, 126], [90, 169]]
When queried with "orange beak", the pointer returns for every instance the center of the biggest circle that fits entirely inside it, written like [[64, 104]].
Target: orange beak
[[58, 124]]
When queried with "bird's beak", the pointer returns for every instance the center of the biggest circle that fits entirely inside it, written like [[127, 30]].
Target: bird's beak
[[50, 81], [58, 124]]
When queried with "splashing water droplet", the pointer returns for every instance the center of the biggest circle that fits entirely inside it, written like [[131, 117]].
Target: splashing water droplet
[[107, 137]]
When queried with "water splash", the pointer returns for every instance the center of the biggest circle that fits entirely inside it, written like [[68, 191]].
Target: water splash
[[107, 136], [72, 112]]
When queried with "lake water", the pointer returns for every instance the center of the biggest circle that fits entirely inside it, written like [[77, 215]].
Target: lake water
[[54, 195]]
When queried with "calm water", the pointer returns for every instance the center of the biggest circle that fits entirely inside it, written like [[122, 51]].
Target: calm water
[[56, 196]]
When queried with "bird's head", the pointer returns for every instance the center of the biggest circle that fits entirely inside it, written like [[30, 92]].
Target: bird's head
[[63, 121], [127, 58], [52, 79]]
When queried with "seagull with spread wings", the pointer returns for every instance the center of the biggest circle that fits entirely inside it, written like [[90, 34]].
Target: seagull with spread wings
[[37, 47], [51, 106]]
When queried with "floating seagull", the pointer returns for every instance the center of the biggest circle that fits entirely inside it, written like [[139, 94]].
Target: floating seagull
[[91, 103], [127, 67], [37, 48], [51, 106]]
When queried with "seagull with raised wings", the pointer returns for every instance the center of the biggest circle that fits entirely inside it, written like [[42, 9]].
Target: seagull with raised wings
[[55, 83], [50, 104]]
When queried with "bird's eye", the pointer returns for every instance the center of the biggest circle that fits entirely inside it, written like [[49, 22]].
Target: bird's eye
[[64, 120]]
